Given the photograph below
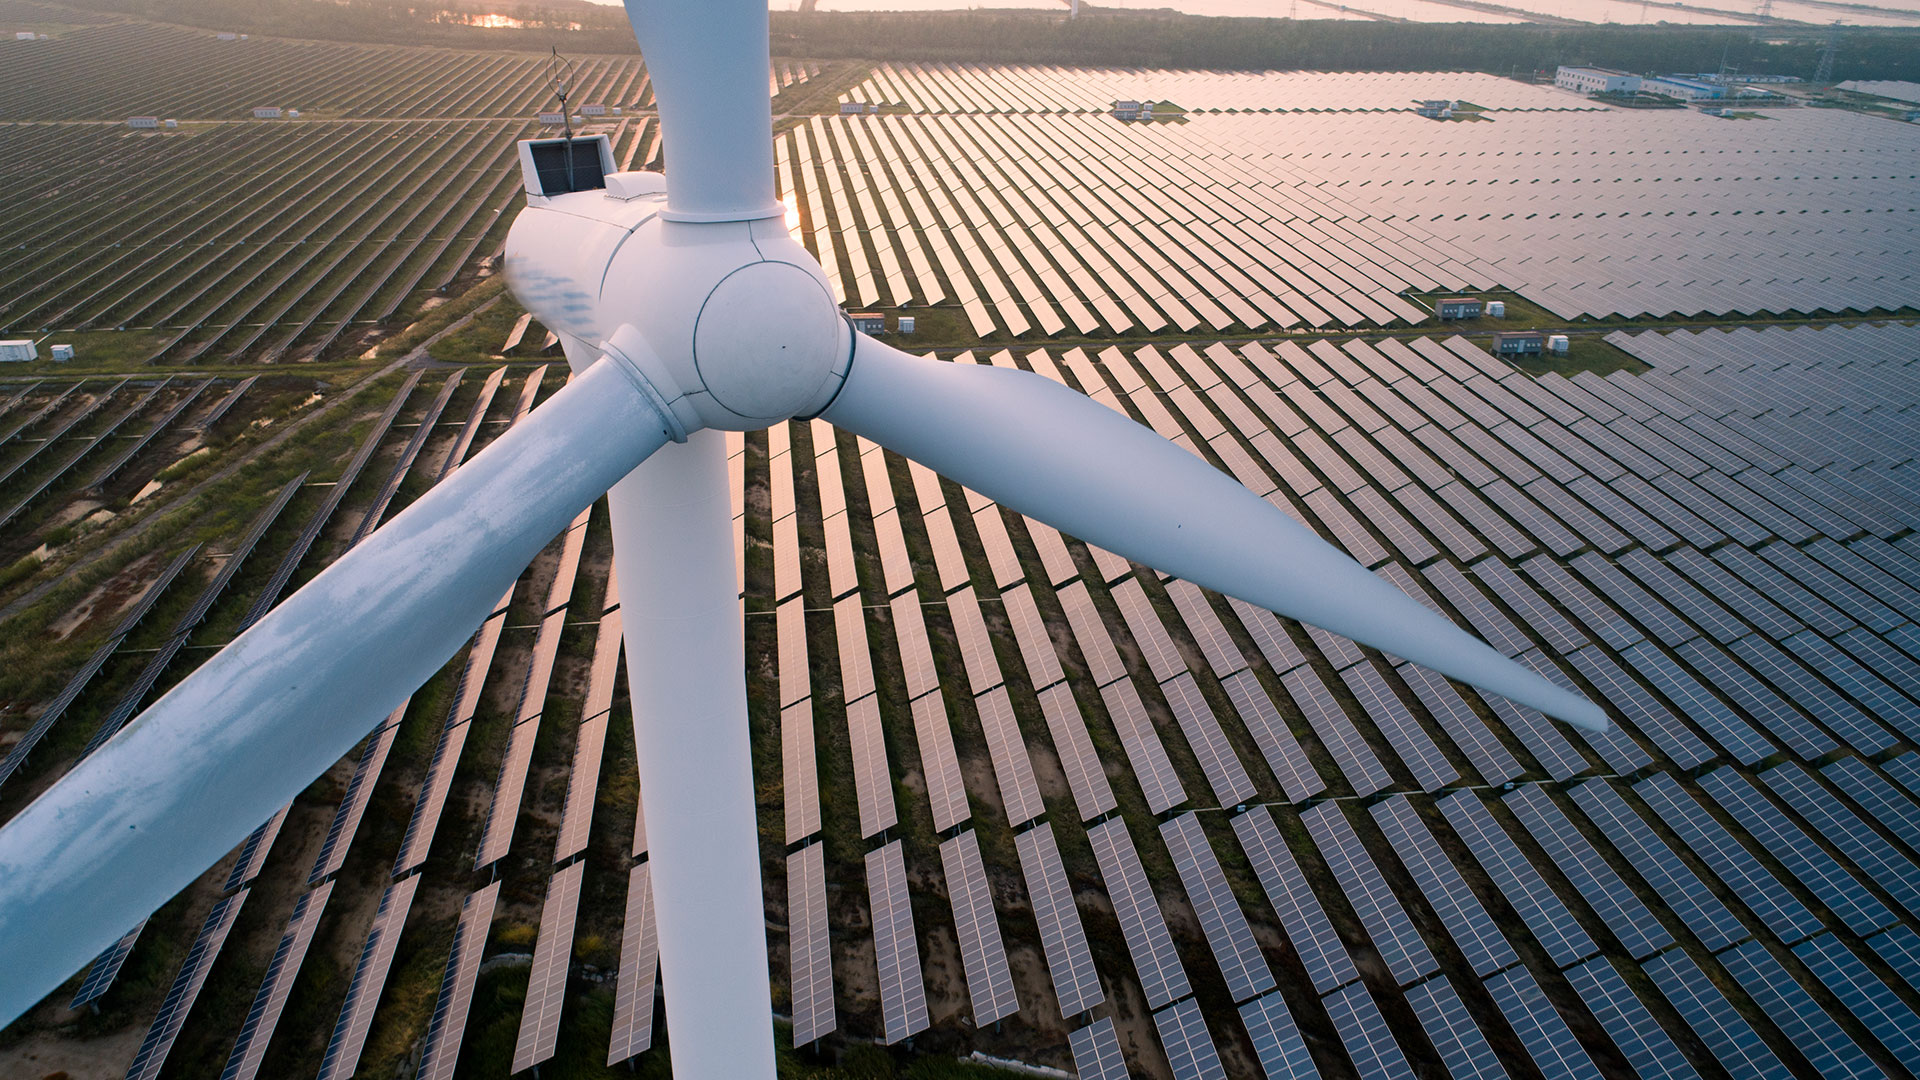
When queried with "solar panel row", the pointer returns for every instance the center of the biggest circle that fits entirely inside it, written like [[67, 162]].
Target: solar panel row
[[982, 954]]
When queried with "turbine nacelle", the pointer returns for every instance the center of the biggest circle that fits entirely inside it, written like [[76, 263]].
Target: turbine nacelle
[[729, 324]]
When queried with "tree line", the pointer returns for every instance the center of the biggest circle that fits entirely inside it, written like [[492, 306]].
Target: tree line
[[1131, 38]]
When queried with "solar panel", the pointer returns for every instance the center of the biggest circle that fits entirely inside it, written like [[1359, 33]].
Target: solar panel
[[1710, 1016], [1552, 924], [1593, 879], [1277, 1042], [1751, 695], [1092, 795], [1894, 811], [903, 993], [447, 1030], [1221, 919], [1146, 755], [1356, 759], [1698, 704], [552, 959], [1891, 1020], [1075, 983], [1386, 922], [1012, 767], [790, 620], [1685, 894], [1750, 881], [1834, 886], [1391, 718], [1207, 629], [152, 1055], [1225, 775], [639, 964], [1189, 1046], [799, 771], [583, 780], [353, 805], [808, 952], [1270, 732], [1463, 1049], [250, 1049], [1460, 722], [1626, 1020], [1305, 921], [872, 779], [1364, 1032], [1096, 1052], [976, 647], [856, 663], [989, 982], [1539, 1025], [369, 977], [1890, 869], [1031, 634], [1162, 977], [1096, 645], [1816, 1035], [106, 967], [939, 764], [1473, 930]]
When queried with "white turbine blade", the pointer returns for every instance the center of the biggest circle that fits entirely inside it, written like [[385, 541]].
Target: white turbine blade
[[1047, 452], [673, 543], [708, 61], [173, 792]]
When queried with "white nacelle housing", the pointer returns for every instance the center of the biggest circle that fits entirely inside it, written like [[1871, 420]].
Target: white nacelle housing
[[738, 329]]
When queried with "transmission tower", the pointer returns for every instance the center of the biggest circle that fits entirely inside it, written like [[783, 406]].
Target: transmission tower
[[1824, 73], [1765, 10]]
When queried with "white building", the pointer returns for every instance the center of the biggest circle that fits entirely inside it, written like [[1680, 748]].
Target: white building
[[1684, 89], [1587, 80], [143, 122], [18, 351], [23, 35], [553, 119], [62, 353], [267, 112], [593, 110]]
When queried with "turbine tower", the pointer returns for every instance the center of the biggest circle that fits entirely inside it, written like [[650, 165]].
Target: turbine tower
[[686, 310]]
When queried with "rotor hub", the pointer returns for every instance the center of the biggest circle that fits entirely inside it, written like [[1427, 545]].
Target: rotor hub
[[766, 340]]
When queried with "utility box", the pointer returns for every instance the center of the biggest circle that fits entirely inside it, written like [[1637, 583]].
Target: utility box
[[868, 322], [1496, 309], [1558, 344], [906, 324], [18, 351], [62, 353]]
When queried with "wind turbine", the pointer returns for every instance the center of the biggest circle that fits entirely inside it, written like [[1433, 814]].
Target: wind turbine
[[687, 310]]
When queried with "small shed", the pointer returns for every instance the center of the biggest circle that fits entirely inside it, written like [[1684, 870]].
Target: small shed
[[1126, 110], [267, 112], [1519, 343], [62, 353], [143, 123], [18, 351], [553, 119], [868, 322], [1459, 307], [593, 110]]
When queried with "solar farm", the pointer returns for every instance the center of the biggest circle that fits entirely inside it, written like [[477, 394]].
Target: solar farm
[[1018, 797]]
